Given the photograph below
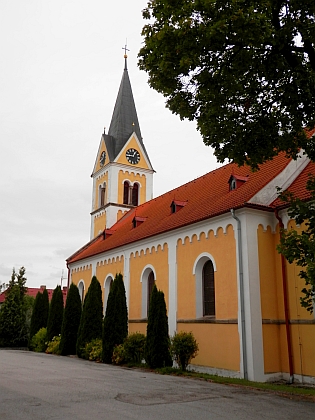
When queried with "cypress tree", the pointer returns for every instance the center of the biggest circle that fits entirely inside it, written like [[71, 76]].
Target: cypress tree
[[116, 319], [36, 319], [40, 313], [45, 308], [71, 321], [55, 314], [91, 323], [157, 350]]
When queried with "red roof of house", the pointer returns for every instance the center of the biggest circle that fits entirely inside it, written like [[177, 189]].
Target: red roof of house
[[32, 291], [206, 197]]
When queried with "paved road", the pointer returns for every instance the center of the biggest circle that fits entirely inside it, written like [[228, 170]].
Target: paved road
[[39, 386]]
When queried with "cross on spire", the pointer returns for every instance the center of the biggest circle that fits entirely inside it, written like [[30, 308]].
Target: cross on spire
[[125, 55]]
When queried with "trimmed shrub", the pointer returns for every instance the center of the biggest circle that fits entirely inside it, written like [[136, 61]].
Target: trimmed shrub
[[93, 350], [71, 321], [39, 340], [157, 348], [55, 314], [116, 319], [91, 322], [118, 357], [134, 346], [184, 348], [53, 346], [37, 319], [45, 308]]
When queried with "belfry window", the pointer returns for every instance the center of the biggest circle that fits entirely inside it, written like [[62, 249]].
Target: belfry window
[[126, 192], [135, 194], [131, 194], [208, 289]]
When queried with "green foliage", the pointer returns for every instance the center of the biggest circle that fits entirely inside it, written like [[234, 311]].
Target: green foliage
[[299, 248], [134, 346], [55, 314], [93, 350], [14, 312], [244, 70], [157, 353], [116, 319], [91, 322], [39, 341], [40, 313], [118, 357], [184, 348], [71, 321], [53, 346]]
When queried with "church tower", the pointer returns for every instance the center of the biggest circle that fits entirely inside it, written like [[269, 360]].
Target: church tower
[[122, 173]]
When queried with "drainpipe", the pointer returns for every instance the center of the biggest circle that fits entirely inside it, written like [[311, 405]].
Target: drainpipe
[[285, 301], [242, 304]]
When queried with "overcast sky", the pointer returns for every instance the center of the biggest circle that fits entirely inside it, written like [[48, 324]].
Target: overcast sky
[[61, 66]]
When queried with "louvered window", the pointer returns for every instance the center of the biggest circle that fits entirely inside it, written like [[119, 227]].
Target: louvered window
[[208, 289]]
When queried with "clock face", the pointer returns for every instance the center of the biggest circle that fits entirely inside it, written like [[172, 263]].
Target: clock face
[[103, 158], [133, 156]]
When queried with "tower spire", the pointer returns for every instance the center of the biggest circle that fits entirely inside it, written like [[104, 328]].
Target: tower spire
[[124, 120]]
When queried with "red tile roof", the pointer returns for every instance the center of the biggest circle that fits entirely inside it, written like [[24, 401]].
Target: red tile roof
[[298, 185], [32, 291], [206, 197]]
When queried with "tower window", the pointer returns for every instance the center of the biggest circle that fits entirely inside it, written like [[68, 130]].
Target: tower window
[[126, 192], [135, 194]]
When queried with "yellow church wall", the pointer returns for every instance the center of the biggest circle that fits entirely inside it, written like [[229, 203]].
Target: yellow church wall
[[274, 352], [112, 266], [137, 327], [132, 144], [120, 214], [157, 259], [218, 344], [219, 246], [270, 275], [84, 274], [303, 344], [272, 304], [99, 223], [130, 176]]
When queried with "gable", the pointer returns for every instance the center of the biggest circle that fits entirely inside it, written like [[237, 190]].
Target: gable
[[102, 151], [134, 143]]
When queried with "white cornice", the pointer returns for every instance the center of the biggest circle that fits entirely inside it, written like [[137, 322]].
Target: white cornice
[[269, 193]]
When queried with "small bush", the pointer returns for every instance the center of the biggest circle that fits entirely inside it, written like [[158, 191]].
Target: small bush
[[53, 346], [38, 341], [93, 350], [118, 357], [134, 347], [184, 348]]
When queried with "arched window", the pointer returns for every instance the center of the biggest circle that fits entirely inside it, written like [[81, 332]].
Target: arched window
[[135, 194], [126, 192], [107, 286], [150, 288], [208, 289], [81, 290], [102, 195]]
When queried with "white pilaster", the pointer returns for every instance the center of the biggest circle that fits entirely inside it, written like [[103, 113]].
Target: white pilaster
[[252, 300], [172, 285]]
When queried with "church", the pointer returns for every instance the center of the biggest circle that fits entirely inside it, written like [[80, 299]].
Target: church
[[210, 245]]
